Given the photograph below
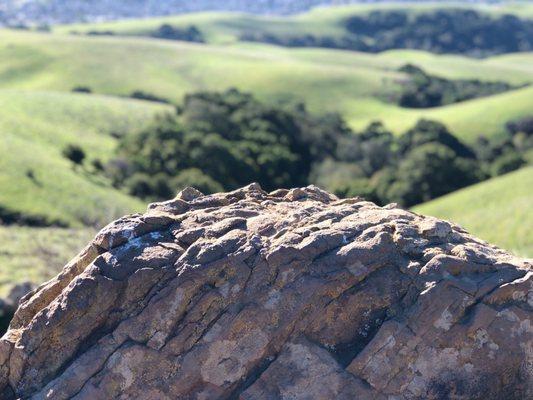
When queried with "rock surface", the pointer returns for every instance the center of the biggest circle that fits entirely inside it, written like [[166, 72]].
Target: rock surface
[[288, 295]]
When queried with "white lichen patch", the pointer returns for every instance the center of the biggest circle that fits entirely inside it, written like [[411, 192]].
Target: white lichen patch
[[380, 364], [430, 364], [482, 338], [445, 320], [285, 275], [227, 360], [224, 289], [469, 368], [121, 363], [161, 320], [156, 235], [235, 289], [525, 328], [508, 315], [358, 269], [428, 287], [273, 300], [314, 373]]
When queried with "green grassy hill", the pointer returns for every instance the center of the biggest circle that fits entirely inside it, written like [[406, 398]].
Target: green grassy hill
[[499, 211], [220, 27], [36, 180], [358, 82], [37, 254]]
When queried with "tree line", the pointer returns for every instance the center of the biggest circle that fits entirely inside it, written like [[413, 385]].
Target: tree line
[[442, 31], [223, 140], [423, 90]]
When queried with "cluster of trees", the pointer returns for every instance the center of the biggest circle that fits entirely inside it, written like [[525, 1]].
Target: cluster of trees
[[423, 90], [82, 89], [442, 31], [425, 162], [165, 31], [305, 40], [96, 33], [142, 95], [221, 141], [189, 34], [508, 152]]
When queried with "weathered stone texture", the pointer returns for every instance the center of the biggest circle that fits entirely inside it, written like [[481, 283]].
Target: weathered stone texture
[[288, 295]]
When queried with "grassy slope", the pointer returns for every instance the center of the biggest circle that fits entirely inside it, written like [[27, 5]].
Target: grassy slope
[[499, 211], [227, 27], [35, 127], [119, 65], [36, 255]]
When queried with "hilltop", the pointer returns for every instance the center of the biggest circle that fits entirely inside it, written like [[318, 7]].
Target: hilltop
[[359, 82]]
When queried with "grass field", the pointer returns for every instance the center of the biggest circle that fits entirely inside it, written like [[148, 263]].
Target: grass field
[[37, 180], [499, 211], [36, 254], [329, 80]]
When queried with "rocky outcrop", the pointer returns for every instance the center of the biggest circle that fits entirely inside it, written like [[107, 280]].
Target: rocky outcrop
[[288, 295]]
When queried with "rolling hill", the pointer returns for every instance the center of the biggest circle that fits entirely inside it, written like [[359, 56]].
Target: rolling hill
[[499, 211], [37, 181], [228, 26], [359, 82]]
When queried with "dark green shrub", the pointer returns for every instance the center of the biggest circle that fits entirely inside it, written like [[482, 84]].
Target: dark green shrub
[[140, 185], [82, 89], [74, 153], [508, 162]]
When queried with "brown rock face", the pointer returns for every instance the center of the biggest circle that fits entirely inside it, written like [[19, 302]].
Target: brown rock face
[[288, 295]]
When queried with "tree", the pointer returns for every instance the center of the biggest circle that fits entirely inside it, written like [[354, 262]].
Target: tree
[[508, 162], [430, 171], [232, 139], [428, 131], [74, 153], [82, 89], [97, 165]]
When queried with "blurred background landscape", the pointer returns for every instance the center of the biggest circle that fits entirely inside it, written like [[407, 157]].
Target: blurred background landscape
[[108, 105]]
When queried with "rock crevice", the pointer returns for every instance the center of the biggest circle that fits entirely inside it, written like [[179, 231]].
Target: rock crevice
[[293, 294]]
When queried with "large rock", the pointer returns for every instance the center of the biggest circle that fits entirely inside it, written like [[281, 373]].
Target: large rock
[[288, 295]]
